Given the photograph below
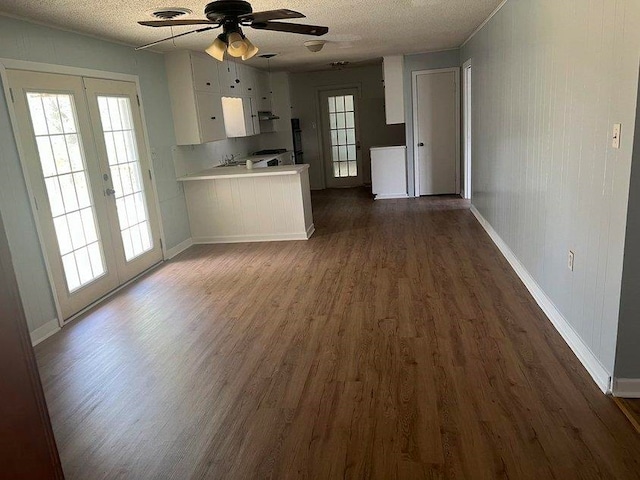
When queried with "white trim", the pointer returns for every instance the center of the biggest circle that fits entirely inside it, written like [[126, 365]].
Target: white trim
[[178, 249], [466, 130], [13, 120], [590, 362], [45, 331], [438, 50], [414, 106], [626, 387], [275, 237], [391, 196], [491, 15], [12, 64]]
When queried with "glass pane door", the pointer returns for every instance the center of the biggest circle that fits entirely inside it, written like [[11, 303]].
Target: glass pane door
[[117, 120], [124, 165], [62, 170], [342, 124], [339, 109], [65, 176]]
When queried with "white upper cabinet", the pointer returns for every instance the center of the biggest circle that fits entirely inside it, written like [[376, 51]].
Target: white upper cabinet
[[263, 92], [205, 73], [229, 75], [394, 88], [240, 117], [248, 80], [195, 98]]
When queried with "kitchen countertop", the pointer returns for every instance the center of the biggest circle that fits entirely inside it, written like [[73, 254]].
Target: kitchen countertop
[[241, 171]]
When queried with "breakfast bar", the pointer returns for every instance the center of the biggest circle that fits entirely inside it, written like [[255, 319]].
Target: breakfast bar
[[236, 204]]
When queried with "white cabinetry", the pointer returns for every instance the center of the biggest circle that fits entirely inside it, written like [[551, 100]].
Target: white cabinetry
[[394, 88], [195, 98], [240, 117], [389, 172]]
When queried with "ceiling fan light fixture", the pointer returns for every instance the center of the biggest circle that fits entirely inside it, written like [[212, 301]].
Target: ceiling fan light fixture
[[237, 45], [314, 45], [252, 50], [217, 48]]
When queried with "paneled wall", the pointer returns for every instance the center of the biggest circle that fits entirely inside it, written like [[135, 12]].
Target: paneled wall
[[549, 79], [26, 41]]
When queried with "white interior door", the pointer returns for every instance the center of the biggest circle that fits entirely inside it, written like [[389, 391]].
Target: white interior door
[[436, 132], [95, 237], [341, 141]]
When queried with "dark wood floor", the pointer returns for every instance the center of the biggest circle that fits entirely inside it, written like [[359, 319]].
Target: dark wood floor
[[631, 409], [396, 343]]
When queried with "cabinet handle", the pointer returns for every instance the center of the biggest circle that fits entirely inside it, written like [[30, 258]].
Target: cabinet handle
[[421, 144], [213, 118], [249, 89], [232, 86], [208, 84]]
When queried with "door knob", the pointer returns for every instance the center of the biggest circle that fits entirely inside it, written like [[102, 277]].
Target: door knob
[[421, 144], [110, 191]]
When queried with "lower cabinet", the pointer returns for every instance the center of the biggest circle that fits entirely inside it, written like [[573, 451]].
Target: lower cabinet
[[389, 172]]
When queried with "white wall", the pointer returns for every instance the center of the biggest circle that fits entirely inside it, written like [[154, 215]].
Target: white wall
[[373, 128], [549, 79], [26, 41]]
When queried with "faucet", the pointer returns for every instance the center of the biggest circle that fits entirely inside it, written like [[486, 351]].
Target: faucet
[[228, 159]]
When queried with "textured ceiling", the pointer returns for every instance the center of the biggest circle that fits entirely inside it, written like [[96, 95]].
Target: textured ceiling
[[359, 30]]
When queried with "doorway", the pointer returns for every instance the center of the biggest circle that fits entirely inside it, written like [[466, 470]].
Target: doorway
[[436, 131], [340, 133], [86, 163], [466, 127]]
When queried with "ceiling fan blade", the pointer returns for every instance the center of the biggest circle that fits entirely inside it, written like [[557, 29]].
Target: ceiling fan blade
[[176, 36], [270, 15], [175, 23], [291, 28]]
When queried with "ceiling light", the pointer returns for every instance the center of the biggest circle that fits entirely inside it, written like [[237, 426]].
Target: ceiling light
[[252, 50], [217, 48], [314, 45], [237, 46]]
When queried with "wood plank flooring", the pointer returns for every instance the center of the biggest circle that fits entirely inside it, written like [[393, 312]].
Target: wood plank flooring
[[631, 409], [397, 343]]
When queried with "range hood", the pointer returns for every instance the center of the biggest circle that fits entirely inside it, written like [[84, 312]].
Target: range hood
[[265, 116]]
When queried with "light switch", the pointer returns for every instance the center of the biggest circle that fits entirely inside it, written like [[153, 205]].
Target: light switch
[[615, 143]]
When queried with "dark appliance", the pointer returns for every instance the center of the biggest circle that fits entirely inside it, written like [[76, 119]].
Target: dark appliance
[[297, 140]]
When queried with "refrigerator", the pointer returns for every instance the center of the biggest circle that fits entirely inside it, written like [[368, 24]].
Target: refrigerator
[[297, 140]]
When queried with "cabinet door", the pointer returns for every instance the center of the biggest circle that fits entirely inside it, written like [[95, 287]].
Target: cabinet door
[[205, 73], [210, 117], [263, 91], [248, 81]]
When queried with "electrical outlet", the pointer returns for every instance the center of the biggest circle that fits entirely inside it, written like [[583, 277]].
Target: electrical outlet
[[572, 259]]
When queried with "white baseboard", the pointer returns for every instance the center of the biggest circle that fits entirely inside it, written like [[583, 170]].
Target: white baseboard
[[274, 237], [590, 362], [626, 387], [390, 196], [311, 230], [45, 331], [178, 249]]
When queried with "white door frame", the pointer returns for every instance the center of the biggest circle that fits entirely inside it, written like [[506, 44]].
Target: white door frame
[[466, 127], [414, 84], [12, 64]]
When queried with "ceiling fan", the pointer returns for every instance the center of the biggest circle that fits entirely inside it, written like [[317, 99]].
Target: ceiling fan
[[232, 15]]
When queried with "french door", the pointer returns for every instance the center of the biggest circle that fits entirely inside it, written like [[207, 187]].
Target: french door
[[86, 162], [341, 141]]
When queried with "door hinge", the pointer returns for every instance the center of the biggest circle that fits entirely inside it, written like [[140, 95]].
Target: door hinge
[[161, 245], [35, 201], [13, 100], [138, 99], [150, 177]]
